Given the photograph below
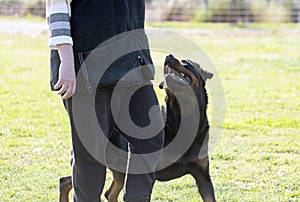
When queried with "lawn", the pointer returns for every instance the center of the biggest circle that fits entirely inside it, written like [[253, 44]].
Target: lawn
[[257, 157]]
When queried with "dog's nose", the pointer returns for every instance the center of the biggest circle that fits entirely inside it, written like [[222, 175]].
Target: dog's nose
[[169, 57]]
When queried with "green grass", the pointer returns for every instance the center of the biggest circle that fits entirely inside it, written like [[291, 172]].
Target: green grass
[[28, 17], [257, 157]]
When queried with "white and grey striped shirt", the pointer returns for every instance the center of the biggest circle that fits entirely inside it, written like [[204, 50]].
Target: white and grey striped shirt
[[58, 15]]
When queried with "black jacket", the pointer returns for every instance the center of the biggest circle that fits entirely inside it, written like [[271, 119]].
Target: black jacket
[[94, 22]]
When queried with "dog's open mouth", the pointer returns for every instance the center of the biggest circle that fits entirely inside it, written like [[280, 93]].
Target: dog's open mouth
[[175, 71]]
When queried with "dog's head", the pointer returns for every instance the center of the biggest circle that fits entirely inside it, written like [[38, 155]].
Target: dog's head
[[181, 74]]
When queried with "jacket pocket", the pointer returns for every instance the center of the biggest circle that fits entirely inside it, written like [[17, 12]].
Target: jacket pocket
[[130, 69], [54, 68]]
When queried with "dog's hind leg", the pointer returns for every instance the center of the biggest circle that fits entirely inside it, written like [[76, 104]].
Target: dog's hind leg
[[116, 186], [65, 186], [200, 171]]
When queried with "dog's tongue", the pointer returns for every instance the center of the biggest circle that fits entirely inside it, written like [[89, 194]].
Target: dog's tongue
[[172, 78]]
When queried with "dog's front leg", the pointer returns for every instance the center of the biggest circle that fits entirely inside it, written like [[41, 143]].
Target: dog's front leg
[[200, 171], [116, 186], [65, 186]]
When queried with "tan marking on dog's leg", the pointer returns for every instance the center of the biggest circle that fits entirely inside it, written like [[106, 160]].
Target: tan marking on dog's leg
[[107, 193], [65, 186], [116, 186], [115, 191]]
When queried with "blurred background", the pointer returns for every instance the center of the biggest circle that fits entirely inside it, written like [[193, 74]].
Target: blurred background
[[232, 11]]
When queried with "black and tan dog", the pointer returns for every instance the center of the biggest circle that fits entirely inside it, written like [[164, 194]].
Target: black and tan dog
[[194, 161]]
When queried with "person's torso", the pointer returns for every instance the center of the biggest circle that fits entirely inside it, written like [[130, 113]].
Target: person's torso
[[94, 21]]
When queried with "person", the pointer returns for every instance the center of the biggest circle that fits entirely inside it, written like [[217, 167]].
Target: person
[[80, 26]]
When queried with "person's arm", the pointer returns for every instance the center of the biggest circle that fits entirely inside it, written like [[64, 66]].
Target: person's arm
[[58, 20]]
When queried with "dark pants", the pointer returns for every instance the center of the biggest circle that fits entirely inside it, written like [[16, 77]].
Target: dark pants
[[88, 171]]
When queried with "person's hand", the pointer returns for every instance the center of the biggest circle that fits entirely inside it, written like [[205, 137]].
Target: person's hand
[[67, 79]]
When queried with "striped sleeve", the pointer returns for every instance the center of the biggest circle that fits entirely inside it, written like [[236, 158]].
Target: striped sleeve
[[58, 20]]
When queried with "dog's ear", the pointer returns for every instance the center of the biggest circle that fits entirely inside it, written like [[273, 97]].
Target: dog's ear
[[161, 85], [203, 73]]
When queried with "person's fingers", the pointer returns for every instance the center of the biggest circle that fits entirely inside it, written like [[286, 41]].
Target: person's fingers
[[68, 93], [58, 85], [63, 89], [66, 89]]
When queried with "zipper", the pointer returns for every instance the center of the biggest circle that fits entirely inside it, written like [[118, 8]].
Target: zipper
[[88, 84]]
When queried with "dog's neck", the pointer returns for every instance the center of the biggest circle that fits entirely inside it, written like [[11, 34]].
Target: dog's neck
[[173, 117], [203, 123]]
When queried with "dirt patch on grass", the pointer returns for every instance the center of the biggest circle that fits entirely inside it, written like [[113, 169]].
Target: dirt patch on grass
[[22, 27]]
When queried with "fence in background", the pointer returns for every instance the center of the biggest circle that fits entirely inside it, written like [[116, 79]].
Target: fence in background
[[224, 10], [189, 10], [22, 7]]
